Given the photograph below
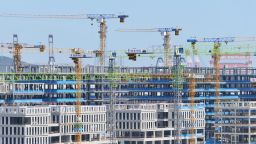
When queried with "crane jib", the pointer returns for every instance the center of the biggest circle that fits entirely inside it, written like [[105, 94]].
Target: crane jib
[[224, 39], [221, 39]]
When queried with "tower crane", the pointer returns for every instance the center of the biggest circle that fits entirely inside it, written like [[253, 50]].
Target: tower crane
[[16, 48], [241, 50], [76, 56], [216, 54], [165, 32], [100, 18]]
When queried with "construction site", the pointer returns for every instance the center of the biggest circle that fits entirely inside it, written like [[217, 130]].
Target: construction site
[[176, 101]]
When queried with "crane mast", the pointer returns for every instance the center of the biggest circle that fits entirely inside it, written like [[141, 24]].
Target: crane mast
[[194, 54], [51, 61], [112, 101], [178, 72], [216, 63], [102, 32], [78, 68], [76, 57], [192, 86], [17, 54], [167, 50], [191, 94]]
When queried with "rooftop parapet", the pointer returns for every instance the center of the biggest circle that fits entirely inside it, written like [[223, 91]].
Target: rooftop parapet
[[84, 109], [147, 107], [239, 104], [25, 110]]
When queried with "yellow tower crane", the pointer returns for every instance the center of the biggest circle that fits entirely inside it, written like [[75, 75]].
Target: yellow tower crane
[[16, 49], [100, 18], [165, 32], [216, 54], [191, 94], [76, 56]]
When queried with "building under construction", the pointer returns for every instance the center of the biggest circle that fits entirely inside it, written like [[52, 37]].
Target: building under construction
[[139, 90], [180, 101]]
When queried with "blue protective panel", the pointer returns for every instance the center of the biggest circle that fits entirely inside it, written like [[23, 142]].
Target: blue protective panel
[[190, 135], [184, 90], [210, 121], [27, 91], [172, 98], [209, 113], [63, 91], [24, 101], [67, 100]]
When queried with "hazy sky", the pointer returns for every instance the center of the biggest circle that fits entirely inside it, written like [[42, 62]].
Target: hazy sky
[[201, 18]]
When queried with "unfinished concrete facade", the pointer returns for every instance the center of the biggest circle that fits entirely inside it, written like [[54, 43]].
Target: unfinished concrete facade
[[154, 123], [238, 122]]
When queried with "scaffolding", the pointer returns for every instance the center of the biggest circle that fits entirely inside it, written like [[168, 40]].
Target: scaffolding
[[112, 100], [143, 84], [178, 78]]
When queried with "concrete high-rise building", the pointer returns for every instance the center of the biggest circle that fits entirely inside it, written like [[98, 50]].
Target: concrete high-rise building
[[135, 123], [154, 123], [139, 85], [51, 124], [238, 122]]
